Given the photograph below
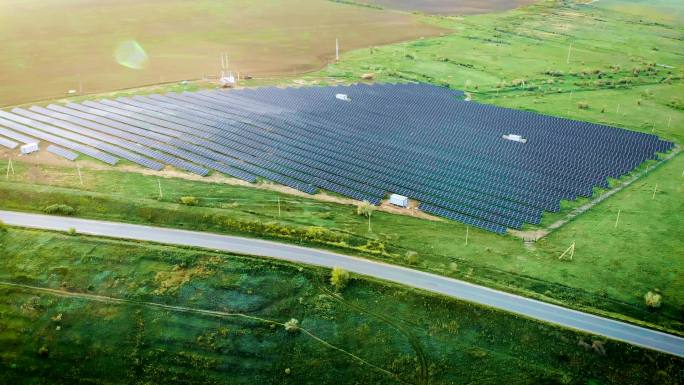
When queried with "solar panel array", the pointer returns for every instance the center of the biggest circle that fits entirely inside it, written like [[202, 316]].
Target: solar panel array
[[416, 140]]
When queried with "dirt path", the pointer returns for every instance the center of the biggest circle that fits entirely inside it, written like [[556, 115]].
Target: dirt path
[[183, 309]]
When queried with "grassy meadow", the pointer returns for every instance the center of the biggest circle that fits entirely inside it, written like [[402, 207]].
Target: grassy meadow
[[609, 273], [82, 310]]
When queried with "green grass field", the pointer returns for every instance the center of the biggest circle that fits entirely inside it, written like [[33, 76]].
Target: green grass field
[[112, 317], [609, 273]]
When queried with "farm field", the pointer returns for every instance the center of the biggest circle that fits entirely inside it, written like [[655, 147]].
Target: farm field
[[43, 56], [146, 313]]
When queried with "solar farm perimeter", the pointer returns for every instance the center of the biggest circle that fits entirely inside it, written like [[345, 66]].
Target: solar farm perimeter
[[454, 156]]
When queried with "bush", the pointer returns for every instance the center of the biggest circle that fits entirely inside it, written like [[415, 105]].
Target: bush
[[189, 201], [676, 103], [43, 351], [3, 227], [59, 209], [583, 105], [365, 208], [653, 299], [71, 231], [339, 278], [292, 326], [411, 257]]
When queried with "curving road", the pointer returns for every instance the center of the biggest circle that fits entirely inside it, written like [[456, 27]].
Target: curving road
[[446, 286]]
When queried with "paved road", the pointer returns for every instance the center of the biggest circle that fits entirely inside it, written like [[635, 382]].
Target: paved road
[[447, 286]]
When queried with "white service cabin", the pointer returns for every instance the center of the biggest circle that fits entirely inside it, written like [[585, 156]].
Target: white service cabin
[[29, 148], [344, 97], [515, 138], [399, 200]]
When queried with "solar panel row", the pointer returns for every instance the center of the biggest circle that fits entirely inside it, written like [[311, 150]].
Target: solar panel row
[[8, 143], [64, 153], [412, 139], [111, 160]]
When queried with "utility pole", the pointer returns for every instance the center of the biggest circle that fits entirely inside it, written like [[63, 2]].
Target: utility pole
[[654, 191], [467, 230], [161, 195], [278, 207], [570, 250], [80, 177], [618, 218], [337, 49], [567, 60], [9, 167]]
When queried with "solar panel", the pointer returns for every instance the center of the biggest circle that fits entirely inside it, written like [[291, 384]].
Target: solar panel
[[16, 136], [33, 121], [8, 143], [111, 160], [417, 140], [64, 153]]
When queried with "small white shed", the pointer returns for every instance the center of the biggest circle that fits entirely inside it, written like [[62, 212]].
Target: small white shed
[[515, 138], [344, 97], [398, 200], [29, 148]]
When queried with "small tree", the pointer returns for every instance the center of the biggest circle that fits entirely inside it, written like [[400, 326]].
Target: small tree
[[583, 105], [189, 201], [3, 227], [292, 326], [412, 257], [71, 231], [653, 299], [366, 209], [339, 278]]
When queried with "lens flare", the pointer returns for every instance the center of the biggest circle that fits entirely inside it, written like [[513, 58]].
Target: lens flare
[[130, 54]]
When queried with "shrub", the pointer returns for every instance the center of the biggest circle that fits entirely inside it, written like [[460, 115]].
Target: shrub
[[71, 231], [3, 227], [676, 103], [374, 246], [339, 278], [292, 326], [43, 351], [365, 208], [189, 201], [59, 209], [653, 299], [583, 105], [411, 257]]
